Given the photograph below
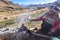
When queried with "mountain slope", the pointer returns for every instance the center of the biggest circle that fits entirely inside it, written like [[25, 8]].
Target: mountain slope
[[8, 5]]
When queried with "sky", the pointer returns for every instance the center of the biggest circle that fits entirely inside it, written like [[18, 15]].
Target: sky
[[27, 2]]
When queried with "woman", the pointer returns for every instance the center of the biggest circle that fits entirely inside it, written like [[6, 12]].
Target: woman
[[55, 31], [49, 21]]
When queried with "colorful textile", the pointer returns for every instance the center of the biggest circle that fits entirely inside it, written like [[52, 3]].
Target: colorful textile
[[54, 38]]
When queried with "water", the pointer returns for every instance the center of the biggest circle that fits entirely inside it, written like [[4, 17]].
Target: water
[[22, 19]]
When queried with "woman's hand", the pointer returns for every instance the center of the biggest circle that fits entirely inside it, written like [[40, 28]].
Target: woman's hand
[[51, 31]]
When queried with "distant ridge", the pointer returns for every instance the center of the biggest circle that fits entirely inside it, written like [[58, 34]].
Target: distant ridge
[[56, 3]]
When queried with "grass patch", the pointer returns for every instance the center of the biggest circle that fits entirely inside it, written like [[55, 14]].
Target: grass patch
[[6, 22]]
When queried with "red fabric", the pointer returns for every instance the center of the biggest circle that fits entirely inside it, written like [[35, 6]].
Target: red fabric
[[56, 26], [40, 18]]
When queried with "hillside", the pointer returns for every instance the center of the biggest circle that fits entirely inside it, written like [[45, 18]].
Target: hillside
[[8, 5]]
